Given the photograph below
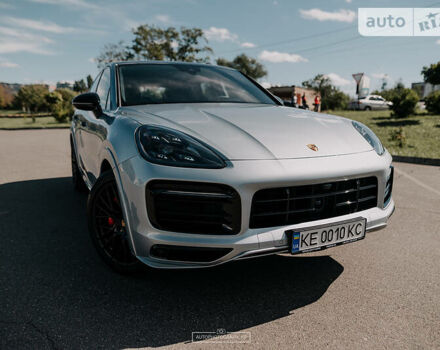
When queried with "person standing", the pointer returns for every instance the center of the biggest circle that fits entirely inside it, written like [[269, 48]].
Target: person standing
[[317, 103], [304, 101], [294, 100]]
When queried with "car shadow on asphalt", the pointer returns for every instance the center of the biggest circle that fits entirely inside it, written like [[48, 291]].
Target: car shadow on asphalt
[[56, 293]]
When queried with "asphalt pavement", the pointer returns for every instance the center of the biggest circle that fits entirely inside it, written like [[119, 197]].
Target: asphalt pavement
[[379, 293]]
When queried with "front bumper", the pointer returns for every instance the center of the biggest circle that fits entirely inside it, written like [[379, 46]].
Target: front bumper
[[246, 177]]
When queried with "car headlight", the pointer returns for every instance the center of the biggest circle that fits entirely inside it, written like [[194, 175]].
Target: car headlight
[[369, 135], [166, 146]]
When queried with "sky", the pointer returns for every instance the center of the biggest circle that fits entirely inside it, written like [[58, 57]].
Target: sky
[[45, 41]]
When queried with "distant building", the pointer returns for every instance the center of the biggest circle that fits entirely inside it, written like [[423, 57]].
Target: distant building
[[64, 85], [288, 94], [424, 89]]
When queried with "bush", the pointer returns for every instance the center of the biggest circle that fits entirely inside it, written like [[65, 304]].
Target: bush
[[404, 103], [60, 104], [432, 102], [399, 137]]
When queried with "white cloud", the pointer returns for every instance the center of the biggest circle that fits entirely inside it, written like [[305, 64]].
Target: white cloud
[[6, 6], [267, 84], [37, 25], [16, 40], [279, 57], [22, 35], [348, 1], [14, 46], [163, 18], [438, 42], [71, 3], [6, 64], [320, 15], [338, 80], [220, 34], [247, 44], [380, 75]]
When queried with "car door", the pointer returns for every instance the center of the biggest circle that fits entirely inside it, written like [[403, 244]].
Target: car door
[[374, 103], [80, 120], [381, 103], [94, 129]]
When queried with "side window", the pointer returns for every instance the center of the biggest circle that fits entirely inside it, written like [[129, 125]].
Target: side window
[[95, 83], [104, 87]]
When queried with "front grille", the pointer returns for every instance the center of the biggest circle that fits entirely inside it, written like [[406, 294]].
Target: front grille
[[193, 207], [388, 188], [291, 205]]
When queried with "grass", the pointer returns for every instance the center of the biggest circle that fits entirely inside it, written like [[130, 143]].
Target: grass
[[421, 132], [10, 111], [26, 123], [16, 113]]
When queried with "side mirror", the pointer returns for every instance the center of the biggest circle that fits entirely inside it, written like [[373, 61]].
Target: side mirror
[[88, 101]]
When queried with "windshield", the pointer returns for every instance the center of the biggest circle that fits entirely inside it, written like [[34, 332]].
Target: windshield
[[186, 83]]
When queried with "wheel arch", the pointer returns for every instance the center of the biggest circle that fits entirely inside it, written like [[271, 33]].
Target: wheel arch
[[105, 166], [109, 163]]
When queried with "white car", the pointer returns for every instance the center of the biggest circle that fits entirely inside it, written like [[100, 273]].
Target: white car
[[192, 165], [373, 102]]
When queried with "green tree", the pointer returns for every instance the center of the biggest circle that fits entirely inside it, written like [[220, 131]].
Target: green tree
[[247, 65], [389, 94], [89, 81], [331, 96], [431, 74], [60, 104], [153, 43], [79, 85], [32, 98], [113, 53]]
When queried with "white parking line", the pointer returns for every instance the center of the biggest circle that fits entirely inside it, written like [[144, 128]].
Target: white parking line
[[416, 181]]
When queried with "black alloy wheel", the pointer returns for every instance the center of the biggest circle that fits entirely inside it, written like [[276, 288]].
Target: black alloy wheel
[[107, 226]]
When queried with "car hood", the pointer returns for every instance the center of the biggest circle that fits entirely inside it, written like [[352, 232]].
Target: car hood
[[254, 131]]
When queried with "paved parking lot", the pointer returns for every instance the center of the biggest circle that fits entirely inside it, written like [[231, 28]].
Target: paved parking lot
[[382, 292]]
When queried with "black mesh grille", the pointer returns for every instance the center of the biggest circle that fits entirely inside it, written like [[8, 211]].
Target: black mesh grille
[[388, 188], [291, 205], [193, 207]]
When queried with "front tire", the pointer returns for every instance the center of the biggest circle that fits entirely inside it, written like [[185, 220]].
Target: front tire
[[368, 108], [107, 226]]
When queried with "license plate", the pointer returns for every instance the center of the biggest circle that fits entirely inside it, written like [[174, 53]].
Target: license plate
[[326, 236]]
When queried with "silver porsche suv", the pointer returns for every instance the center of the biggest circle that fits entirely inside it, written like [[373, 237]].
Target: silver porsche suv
[[192, 165]]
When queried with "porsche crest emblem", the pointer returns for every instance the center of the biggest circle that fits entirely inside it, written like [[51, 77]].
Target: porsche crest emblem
[[312, 146]]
